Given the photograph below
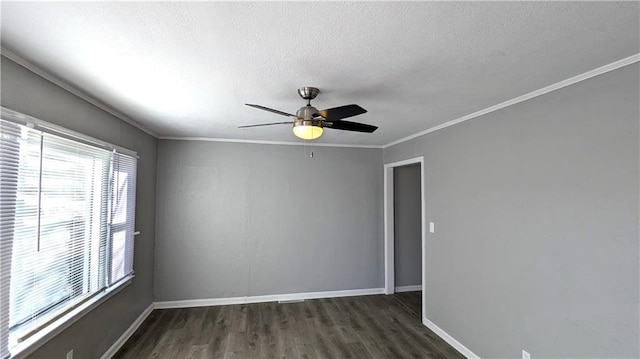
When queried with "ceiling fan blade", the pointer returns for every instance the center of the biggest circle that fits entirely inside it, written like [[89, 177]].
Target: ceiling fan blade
[[270, 110], [268, 124], [349, 126], [338, 113]]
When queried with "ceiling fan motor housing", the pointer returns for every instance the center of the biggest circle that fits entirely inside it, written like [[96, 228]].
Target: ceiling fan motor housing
[[308, 113]]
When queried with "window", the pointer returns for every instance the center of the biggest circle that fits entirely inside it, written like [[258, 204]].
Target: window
[[67, 223]]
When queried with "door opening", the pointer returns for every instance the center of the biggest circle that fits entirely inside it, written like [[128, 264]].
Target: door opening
[[397, 275]]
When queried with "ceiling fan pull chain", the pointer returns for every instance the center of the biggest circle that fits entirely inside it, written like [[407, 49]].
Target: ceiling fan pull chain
[[305, 149]]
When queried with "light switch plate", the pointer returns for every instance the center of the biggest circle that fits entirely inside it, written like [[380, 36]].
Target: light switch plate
[[432, 227], [525, 355]]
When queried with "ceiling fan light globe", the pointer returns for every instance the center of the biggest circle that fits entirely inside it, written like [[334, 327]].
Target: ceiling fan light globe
[[307, 132]]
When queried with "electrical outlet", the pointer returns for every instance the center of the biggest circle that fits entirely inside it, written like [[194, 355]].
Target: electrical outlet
[[70, 354], [525, 354]]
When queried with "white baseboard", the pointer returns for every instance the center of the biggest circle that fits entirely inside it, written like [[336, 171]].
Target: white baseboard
[[128, 333], [408, 288], [449, 339], [265, 298]]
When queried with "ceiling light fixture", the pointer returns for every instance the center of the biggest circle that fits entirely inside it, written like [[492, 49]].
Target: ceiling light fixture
[[307, 129]]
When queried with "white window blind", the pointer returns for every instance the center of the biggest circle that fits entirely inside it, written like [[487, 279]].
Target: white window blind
[[122, 216], [67, 212]]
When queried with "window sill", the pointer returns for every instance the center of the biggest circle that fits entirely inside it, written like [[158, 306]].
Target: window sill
[[22, 350]]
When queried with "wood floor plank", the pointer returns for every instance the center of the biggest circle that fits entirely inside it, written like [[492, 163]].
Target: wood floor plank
[[417, 333], [351, 327], [218, 330], [411, 301], [201, 351], [304, 348], [267, 340], [332, 309], [236, 346], [352, 321], [238, 318], [165, 351], [375, 336], [253, 330], [286, 346], [147, 329], [301, 317], [320, 344], [337, 344], [161, 336], [208, 325], [286, 315], [195, 325], [358, 350]]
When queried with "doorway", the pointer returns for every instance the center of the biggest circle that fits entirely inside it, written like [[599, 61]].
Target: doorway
[[390, 227]]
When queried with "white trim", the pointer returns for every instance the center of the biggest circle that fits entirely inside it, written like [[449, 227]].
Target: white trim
[[408, 288], [34, 342], [265, 298], [72, 89], [405, 162], [556, 86], [261, 142], [389, 229], [423, 222], [113, 349], [449, 339], [389, 226]]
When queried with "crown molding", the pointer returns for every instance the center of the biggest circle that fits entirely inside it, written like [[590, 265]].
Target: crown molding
[[556, 86], [261, 142], [72, 89]]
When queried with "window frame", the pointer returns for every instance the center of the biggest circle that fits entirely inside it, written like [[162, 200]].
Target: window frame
[[42, 333]]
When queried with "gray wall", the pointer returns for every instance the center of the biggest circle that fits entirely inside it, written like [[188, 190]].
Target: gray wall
[[28, 93], [536, 213], [407, 225], [237, 219]]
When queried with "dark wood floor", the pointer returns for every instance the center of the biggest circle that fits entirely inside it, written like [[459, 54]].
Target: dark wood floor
[[377, 326], [411, 301]]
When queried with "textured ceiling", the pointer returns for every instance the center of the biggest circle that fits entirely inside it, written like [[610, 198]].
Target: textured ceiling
[[187, 68]]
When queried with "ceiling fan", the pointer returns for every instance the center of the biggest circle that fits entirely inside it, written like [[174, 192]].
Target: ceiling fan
[[308, 122]]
